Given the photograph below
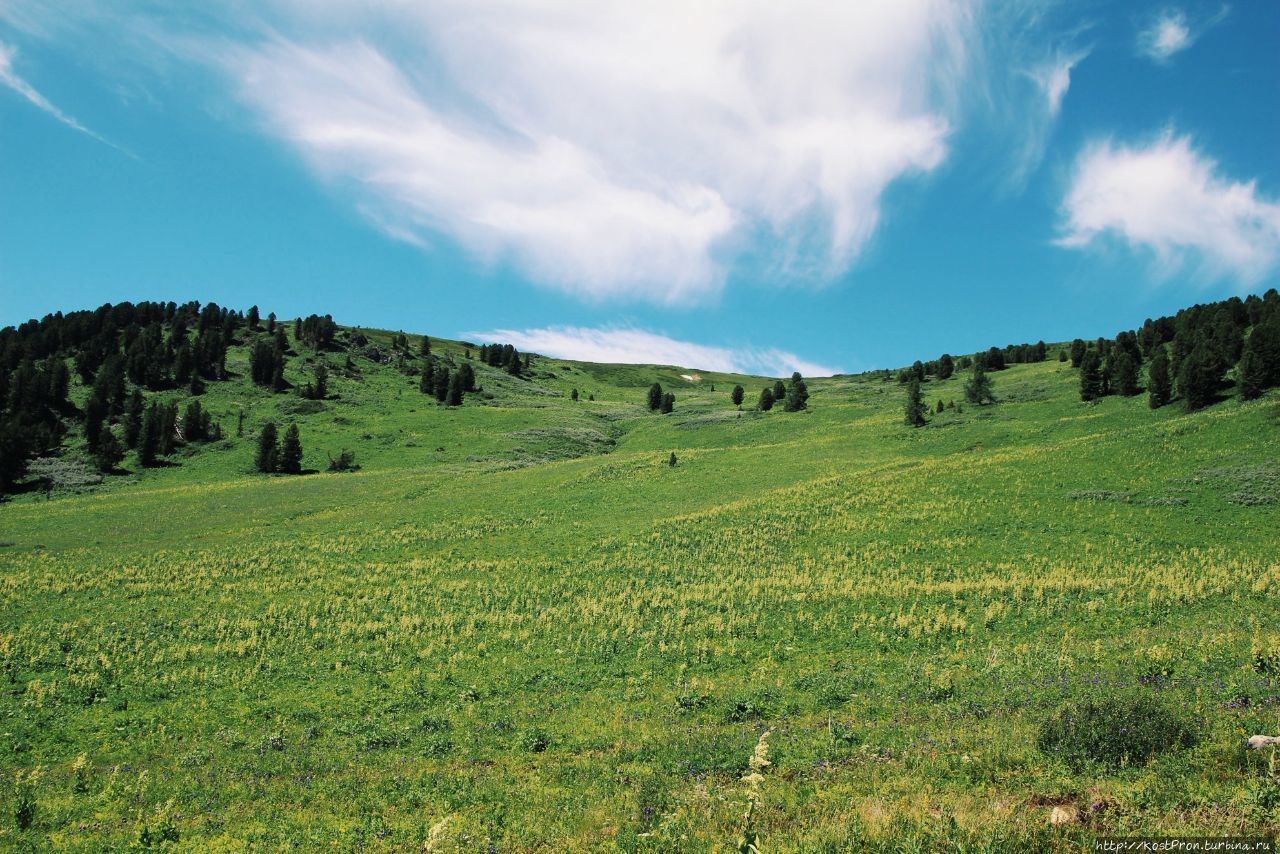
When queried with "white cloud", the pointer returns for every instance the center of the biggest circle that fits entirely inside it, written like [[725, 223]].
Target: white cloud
[[10, 78], [621, 345], [1168, 198], [1037, 116], [615, 148], [1167, 35], [1170, 32]]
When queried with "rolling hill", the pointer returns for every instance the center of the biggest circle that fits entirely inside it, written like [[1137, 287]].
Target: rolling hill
[[518, 626]]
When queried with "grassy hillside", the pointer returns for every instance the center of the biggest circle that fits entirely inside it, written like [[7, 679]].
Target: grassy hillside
[[517, 627]]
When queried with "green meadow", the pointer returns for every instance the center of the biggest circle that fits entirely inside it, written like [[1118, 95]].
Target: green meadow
[[518, 627]]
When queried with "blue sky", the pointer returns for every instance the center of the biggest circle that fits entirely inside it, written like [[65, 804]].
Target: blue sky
[[820, 187]]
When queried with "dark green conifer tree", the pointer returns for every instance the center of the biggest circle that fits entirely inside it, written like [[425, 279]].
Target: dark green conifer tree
[[291, 451], [978, 389], [915, 404], [655, 397], [736, 396], [1159, 387], [766, 399], [1090, 376], [267, 459]]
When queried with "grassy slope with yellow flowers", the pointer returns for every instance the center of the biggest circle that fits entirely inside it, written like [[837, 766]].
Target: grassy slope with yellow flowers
[[518, 627]]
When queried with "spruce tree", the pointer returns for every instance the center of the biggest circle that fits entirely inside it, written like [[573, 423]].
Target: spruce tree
[[1159, 388], [291, 451], [655, 397], [668, 403], [736, 397], [1090, 376], [779, 391], [978, 389], [424, 350], [573, 395], [671, 460], [267, 459], [427, 384], [766, 399], [915, 405]]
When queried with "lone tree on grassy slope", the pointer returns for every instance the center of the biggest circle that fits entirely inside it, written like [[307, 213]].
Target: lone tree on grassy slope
[[736, 397], [291, 451], [978, 389], [655, 396], [915, 405]]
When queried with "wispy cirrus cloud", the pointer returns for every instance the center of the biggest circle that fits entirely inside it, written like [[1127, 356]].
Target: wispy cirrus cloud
[[1171, 200], [10, 78], [624, 345], [1171, 32]]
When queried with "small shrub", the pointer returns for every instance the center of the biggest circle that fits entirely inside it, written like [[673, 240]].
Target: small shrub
[[535, 740], [1115, 731]]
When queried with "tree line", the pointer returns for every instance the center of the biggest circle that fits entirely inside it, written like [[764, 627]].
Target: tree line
[[1192, 356]]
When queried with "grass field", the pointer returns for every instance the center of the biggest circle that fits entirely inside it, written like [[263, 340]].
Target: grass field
[[518, 628]]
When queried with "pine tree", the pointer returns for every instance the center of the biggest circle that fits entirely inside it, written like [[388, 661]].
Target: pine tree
[[655, 397], [766, 399], [442, 383], [133, 413], [946, 366], [978, 389], [1126, 375], [1090, 376], [149, 436], [109, 452], [915, 405], [268, 456], [671, 460], [424, 349], [940, 407], [668, 403], [291, 451], [779, 391], [736, 397], [1197, 378], [573, 395], [1077, 352], [467, 376], [427, 384], [453, 397], [1159, 389], [797, 395]]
